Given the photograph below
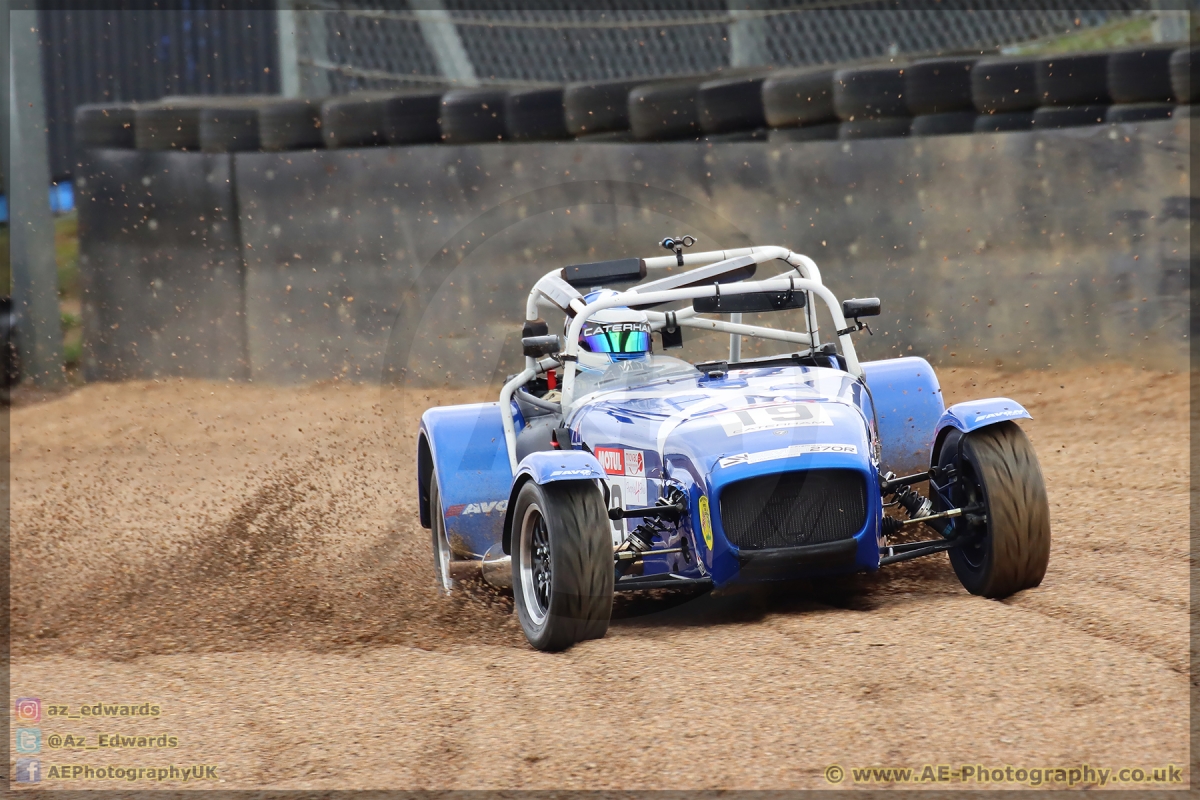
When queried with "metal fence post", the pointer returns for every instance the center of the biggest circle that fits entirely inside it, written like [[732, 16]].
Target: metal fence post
[[1170, 21], [312, 50], [289, 54], [747, 35], [31, 226], [437, 28]]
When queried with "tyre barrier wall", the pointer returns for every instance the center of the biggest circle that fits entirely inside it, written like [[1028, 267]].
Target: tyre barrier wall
[[878, 100], [1021, 249]]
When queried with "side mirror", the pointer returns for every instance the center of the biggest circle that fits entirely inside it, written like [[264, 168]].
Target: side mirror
[[861, 307], [600, 273], [749, 302], [538, 346]]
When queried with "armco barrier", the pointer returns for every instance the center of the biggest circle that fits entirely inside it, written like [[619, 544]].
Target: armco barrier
[[1020, 249], [160, 265]]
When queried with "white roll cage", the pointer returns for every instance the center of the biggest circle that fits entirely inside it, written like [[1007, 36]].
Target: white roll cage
[[551, 289]]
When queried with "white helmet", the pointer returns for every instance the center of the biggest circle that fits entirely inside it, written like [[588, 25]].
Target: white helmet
[[613, 334]]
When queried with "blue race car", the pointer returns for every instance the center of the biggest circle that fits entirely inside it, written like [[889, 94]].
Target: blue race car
[[607, 466]]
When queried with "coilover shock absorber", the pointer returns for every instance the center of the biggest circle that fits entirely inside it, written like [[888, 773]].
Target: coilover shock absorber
[[915, 504], [640, 540]]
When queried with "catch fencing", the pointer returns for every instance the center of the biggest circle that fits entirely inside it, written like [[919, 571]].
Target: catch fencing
[[123, 55], [355, 44]]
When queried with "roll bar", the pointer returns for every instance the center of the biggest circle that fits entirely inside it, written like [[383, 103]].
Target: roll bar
[[554, 290]]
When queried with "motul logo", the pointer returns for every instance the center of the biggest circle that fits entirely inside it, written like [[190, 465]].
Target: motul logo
[[613, 461]]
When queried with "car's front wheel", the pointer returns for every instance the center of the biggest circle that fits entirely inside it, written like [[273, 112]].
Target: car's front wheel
[[562, 562], [1006, 545]]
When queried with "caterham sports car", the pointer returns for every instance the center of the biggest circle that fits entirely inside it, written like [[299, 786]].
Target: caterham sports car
[[608, 465]]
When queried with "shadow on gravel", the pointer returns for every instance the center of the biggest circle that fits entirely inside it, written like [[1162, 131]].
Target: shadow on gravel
[[900, 583]]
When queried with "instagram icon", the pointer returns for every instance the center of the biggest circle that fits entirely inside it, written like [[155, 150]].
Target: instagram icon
[[29, 709]]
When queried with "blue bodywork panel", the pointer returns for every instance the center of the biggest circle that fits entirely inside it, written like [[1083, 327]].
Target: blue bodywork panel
[[908, 405], [700, 434], [469, 453], [975, 414], [560, 465], [550, 466]]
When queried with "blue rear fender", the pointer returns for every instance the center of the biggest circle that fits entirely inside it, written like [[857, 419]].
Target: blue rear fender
[[908, 405], [464, 445], [549, 466], [973, 415]]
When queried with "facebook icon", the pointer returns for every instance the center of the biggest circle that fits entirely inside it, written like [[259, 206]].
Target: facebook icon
[[29, 770]]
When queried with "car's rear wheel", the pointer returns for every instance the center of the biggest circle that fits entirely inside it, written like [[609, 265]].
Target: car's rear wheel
[[441, 542], [562, 563], [1007, 543]]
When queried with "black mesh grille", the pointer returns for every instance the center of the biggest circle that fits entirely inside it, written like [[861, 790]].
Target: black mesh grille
[[790, 509]]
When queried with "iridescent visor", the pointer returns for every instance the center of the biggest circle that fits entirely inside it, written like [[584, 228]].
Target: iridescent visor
[[616, 339]]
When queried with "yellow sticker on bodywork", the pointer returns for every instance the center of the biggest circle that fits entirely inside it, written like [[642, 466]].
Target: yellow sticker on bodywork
[[706, 522]]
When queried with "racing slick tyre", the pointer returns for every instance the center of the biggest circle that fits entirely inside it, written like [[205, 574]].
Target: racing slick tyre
[[1001, 85], [167, 125], [1080, 79], [869, 93], [939, 86], [731, 105], [600, 107], [473, 115], [1009, 551], [442, 553], [229, 129], [562, 563], [1141, 74], [290, 124], [664, 110], [104, 125], [805, 98], [535, 114]]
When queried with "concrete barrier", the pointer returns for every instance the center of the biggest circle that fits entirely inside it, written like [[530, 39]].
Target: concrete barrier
[[160, 266], [1017, 249]]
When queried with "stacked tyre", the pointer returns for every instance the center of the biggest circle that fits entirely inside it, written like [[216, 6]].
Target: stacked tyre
[[732, 107], [928, 97], [1139, 83], [870, 102], [473, 115], [598, 109], [379, 118], [1072, 90], [535, 114], [798, 106], [1004, 92], [665, 110], [938, 94]]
